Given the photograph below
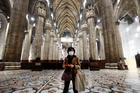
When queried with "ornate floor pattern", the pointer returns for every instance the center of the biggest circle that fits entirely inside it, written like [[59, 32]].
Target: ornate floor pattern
[[49, 81]]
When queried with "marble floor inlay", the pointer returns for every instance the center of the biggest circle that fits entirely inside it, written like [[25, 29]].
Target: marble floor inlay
[[49, 81]]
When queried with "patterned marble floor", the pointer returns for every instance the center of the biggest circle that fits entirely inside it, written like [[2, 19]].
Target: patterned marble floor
[[49, 81]]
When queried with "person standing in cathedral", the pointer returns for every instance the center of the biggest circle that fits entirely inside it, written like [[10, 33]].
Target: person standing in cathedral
[[71, 64]]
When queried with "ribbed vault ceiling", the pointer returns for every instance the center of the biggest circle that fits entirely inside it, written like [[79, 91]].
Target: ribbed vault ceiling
[[66, 15]]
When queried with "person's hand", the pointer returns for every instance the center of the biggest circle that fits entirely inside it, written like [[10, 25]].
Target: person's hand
[[71, 66], [67, 65]]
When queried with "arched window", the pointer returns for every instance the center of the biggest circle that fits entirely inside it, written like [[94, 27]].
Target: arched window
[[66, 33]]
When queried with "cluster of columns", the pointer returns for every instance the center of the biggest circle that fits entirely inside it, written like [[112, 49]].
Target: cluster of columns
[[55, 49], [112, 41], [83, 46], [90, 14], [50, 47], [46, 44], [40, 41], [15, 34], [105, 42], [81, 43]]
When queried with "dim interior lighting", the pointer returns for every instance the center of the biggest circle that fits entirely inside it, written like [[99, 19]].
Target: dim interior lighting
[[58, 35], [54, 24], [66, 39], [48, 2], [118, 1], [34, 25], [32, 19], [97, 27], [27, 17], [25, 31], [57, 30], [137, 19], [80, 16], [78, 25], [76, 31], [8, 17], [98, 20], [52, 15], [84, 3]]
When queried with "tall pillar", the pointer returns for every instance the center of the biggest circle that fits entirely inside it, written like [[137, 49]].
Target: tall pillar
[[27, 44], [40, 17], [54, 48], [110, 32], [46, 43], [57, 52], [84, 38], [137, 2], [119, 41], [15, 35], [78, 53], [51, 46], [80, 45], [101, 42], [88, 47], [3, 27], [92, 33]]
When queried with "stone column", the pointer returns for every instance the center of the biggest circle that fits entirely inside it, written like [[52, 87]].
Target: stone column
[[119, 41], [81, 45], [3, 27], [101, 41], [15, 35], [54, 48], [92, 33], [46, 43], [75, 46], [110, 32], [137, 2], [57, 51], [88, 47], [51, 46], [60, 52], [78, 53], [27, 44], [40, 17], [84, 38]]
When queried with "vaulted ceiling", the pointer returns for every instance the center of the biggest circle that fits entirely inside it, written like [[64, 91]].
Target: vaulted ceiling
[[66, 14]]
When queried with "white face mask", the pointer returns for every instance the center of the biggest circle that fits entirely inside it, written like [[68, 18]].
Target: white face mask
[[71, 53]]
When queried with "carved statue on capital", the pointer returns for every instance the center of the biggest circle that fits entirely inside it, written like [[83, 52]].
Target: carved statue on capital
[[48, 25], [90, 13], [84, 27], [40, 8]]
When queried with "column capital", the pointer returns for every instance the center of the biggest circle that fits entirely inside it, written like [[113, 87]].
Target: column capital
[[80, 34], [48, 25], [52, 34], [84, 27], [55, 39], [40, 9], [90, 13]]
